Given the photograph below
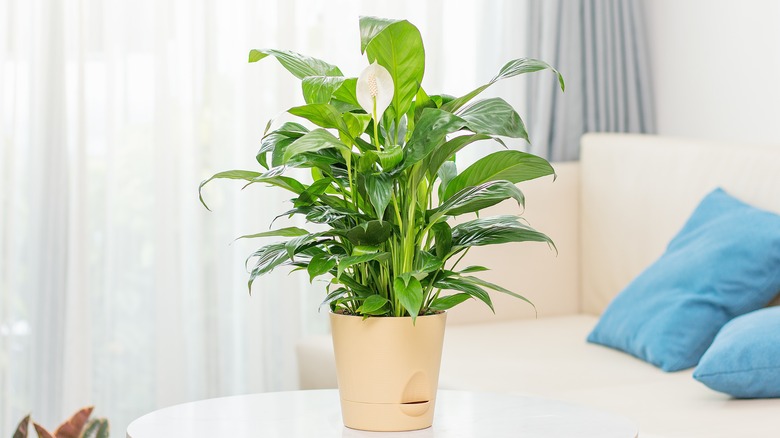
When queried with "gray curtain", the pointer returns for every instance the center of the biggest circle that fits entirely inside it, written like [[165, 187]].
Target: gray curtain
[[599, 46]]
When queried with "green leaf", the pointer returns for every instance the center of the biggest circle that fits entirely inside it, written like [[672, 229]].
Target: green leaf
[[512, 166], [277, 140], [431, 131], [373, 305], [447, 172], [448, 302], [472, 199], [409, 293], [313, 141], [510, 69], [246, 175], [481, 282], [464, 286], [348, 261], [495, 230], [320, 264], [282, 232], [299, 65], [321, 114], [442, 234], [284, 182], [495, 117], [371, 27], [427, 262], [398, 47], [447, 150], [320, 89], [390, 157], [347, 94], [475, 268], [356, 123], [334, 295], [380, 190], [370, 233]]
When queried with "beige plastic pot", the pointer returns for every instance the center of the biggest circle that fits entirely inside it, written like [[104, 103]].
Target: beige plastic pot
[[388, 370]]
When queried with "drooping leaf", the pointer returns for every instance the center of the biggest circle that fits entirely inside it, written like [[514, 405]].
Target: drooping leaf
[[313, 141], [512, 166], [246, 175], [510, 69], [282, 232], [476, 198], [483, 283], [495, 230], [334, 295], [455, 283], [409, 293], [370, 233], [380, 190], [299, 65], [448, 302], [313, 192], [373, 305], [277, 140], [398, 47], [320, 89], [475, 268], [494, 117]]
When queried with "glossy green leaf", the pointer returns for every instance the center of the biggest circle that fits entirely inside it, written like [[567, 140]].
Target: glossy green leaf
[[356, 123], [430, 132], [312, 193], [371, 27], [442, 235], [398, 47], [409, 293], [380, 190], [510, 69], [347, 95], [512, 166], [320, 264], [321, 114], [473, 199], [448, 302], [427, 262], [277, 140], [313, 141], [348, 261], [370, 233], [495, 230], [475, 268], [489, 285], [494, 117], [447, 150], [373, 305], [472, 289], [246, 175], [299, 65], [320, 89], [447, 172], [282, 232], [390, 157], [334, 295]]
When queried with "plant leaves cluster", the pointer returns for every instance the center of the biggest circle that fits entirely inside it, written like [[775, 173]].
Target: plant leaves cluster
[[387, 192]]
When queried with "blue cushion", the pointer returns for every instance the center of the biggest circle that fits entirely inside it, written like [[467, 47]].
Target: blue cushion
[[744, 359], [725, 262]]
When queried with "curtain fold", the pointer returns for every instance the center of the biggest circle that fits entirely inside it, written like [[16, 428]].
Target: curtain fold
[[600, 48]]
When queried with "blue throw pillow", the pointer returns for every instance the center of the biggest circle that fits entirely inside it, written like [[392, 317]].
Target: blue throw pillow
[[744, 359], [725, 262]]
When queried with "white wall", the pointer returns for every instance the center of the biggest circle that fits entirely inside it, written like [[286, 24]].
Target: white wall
[[716, 68]]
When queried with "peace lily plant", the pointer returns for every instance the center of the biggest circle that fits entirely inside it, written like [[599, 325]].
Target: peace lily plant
[[385, 181]]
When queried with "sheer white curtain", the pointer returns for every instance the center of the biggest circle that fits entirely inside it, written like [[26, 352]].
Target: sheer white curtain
[[117, 288]]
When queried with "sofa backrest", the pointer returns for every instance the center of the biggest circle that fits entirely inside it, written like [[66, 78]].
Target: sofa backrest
[[636, 191]]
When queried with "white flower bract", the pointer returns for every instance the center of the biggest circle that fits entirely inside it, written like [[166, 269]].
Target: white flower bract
[[374, 83]]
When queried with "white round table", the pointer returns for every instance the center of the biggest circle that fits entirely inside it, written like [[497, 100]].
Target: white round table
[[308, 414]]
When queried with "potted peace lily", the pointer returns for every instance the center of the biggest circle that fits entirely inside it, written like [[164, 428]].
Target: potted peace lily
[[385, 185]]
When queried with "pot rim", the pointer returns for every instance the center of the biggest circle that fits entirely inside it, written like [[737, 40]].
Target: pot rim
[[439, 313]]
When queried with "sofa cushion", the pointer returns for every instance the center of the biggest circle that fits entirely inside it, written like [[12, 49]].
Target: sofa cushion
[[723, 263], [744, 359]]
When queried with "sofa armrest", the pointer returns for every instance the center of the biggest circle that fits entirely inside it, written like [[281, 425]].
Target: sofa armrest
[[532, 269]]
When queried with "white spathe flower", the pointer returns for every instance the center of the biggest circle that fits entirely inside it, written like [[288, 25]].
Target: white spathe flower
[[374, 86]]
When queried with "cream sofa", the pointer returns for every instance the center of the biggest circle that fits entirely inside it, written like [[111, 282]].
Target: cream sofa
[[611, 215]]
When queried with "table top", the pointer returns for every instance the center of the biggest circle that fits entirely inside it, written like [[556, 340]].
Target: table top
[[459, 414]]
